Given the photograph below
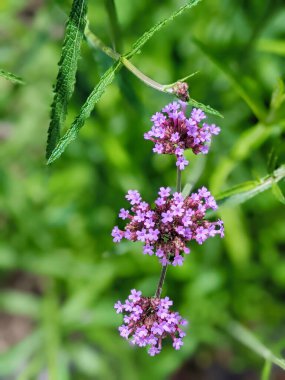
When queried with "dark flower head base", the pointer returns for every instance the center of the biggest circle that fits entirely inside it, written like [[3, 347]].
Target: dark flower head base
[[172, 223], [148, 321], [172, 132]]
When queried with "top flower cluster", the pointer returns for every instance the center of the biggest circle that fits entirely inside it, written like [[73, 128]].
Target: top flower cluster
[[172, 132]]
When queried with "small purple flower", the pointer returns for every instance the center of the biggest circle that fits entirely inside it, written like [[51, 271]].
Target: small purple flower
[[197, 115], [124, 214], [158, 148], [153, 234], [135, 295], [177, 343], [133, 197], [147, 321], [167, 216], [117, 234], [167, 228], [181, 162], [148, 249], [164, 192], [119, 307], [178, 260], [172, 132], [141, 235], [160, 201]]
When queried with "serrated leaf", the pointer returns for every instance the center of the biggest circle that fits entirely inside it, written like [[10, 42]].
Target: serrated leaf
[[204, 108], [147, 35], [247, 190], [11, 77], [85, 112], [65, 81], [57, 145]]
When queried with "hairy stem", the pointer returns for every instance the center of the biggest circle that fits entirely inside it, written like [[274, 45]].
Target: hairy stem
[[164, 268]]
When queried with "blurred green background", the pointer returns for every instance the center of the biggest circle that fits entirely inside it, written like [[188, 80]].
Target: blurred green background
[[60, 272]]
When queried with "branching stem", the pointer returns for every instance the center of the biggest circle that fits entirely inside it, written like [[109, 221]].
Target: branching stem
[[97, 43]]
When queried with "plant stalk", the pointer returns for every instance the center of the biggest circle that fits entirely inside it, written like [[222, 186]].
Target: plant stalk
[[164, 268]]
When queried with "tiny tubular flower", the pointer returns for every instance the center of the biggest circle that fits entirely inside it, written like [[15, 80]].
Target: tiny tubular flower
[[149, 320], [173, 132], [166, 229]]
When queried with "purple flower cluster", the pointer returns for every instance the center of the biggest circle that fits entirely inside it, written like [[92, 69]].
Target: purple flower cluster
[[172, 132], [148, 320], [172, 223]]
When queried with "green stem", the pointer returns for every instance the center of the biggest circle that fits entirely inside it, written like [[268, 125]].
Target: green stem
[[96, 43], [164, 268]]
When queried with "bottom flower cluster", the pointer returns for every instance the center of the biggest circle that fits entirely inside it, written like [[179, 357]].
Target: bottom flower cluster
[[148, 321]]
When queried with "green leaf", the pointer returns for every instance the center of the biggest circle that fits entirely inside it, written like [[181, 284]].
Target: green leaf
[[11, 77], [254, 104], [147, 35], [85, 112], [241, 193], [204, 107], [67, 70], [277, 192], [56, 147]]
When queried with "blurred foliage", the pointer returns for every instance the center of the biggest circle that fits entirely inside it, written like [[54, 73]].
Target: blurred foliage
[[55, 222]]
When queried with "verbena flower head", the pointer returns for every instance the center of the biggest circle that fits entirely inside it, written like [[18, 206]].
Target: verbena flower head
[[173, 222], [172, 132], [147, 321]]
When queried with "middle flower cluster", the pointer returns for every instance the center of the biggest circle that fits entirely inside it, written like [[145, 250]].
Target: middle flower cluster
[[172, 223]]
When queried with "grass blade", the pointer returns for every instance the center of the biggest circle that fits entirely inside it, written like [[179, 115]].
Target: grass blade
[[246, 337], [11, 77], [67, 70]]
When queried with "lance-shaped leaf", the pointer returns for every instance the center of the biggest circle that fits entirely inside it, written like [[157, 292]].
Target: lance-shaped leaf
[[65, 81], [204, 107], [85, 112], [241, 193], [11, 77]]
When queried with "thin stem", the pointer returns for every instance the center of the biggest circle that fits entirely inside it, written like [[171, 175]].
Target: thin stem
[[161, 281], [96, 43], [164, 268], [178, 180]]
